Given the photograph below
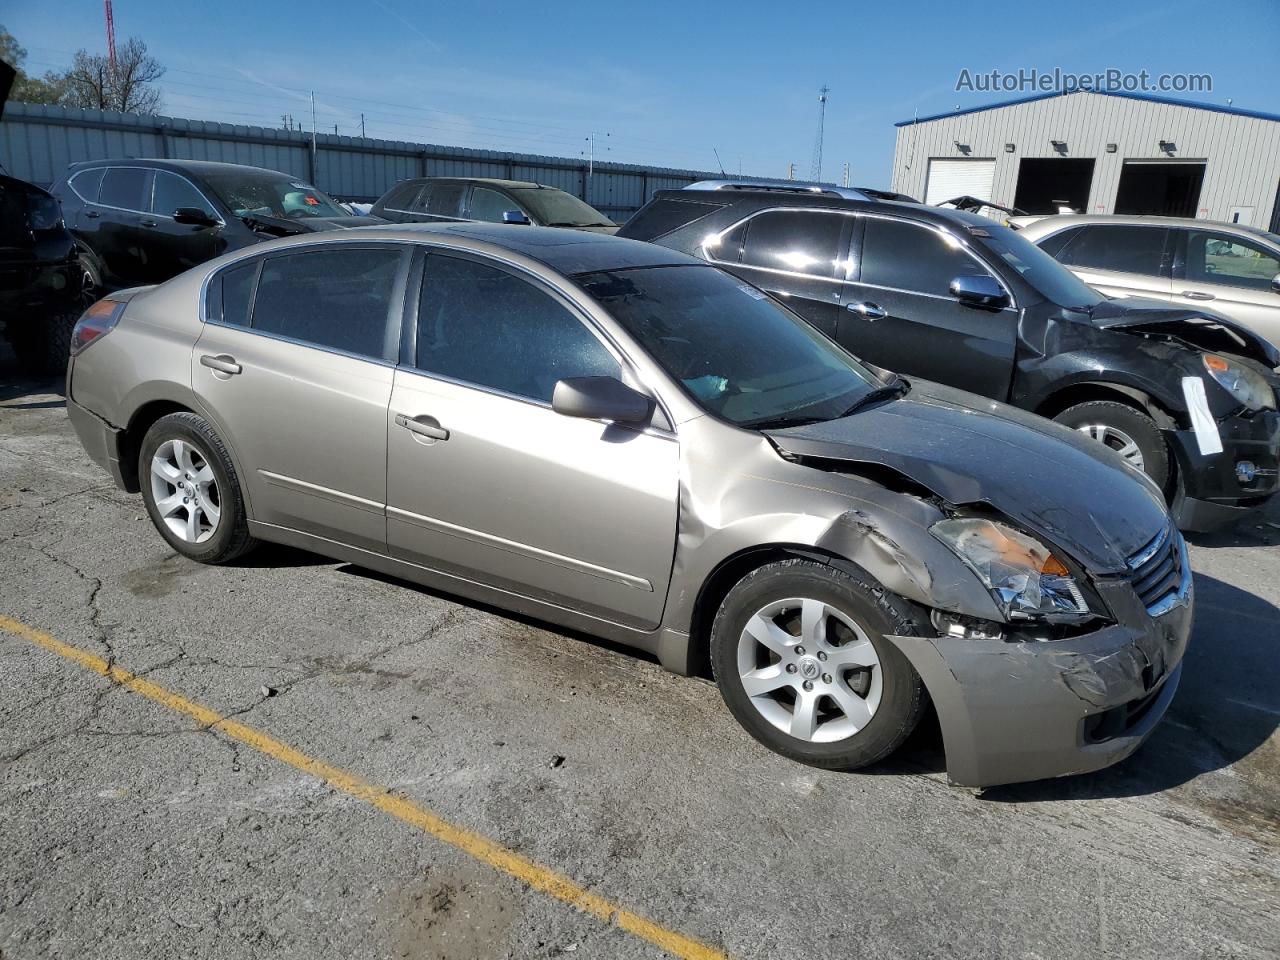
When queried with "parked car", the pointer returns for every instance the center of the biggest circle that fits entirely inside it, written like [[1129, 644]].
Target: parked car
[[617, 438], [40, 277], [1232, 268], [443, 199], [144, 221], [959, 299]]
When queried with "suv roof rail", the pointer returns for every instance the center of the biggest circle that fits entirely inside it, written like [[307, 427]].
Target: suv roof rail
[[780, 186]]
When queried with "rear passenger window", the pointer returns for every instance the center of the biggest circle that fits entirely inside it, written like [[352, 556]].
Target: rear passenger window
[[484, 326], [125, 187], [795, 241], [237, 292], [340, 299], [441, 199], [907, 256], [402, 197], [1120, 248]]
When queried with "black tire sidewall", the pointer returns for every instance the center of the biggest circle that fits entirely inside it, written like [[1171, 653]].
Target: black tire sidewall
[[226, 540], [1140, 427], [902, 694]]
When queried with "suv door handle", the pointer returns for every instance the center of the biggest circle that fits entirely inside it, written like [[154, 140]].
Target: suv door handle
[[868, 311], [423, 426], [221, 363], [92, 214], [148, 223], [1198, 295]]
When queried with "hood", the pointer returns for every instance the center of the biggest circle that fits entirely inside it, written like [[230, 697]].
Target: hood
[[610, 229], [1052, 481], [289, 227], [1197, 328]]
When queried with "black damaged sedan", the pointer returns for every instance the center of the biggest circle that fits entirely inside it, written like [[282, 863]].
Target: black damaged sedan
[[1187, 396]]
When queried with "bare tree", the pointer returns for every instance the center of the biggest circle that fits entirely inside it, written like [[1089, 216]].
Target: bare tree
[[93, 82]]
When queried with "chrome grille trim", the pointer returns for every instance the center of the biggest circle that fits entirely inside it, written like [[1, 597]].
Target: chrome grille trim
[[1160, 572]]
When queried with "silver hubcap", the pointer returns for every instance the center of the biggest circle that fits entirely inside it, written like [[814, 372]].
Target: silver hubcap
[[185, 491], [810, 670], [1117, 440]]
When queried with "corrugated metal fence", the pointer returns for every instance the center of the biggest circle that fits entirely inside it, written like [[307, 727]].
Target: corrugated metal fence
[[37, 143]]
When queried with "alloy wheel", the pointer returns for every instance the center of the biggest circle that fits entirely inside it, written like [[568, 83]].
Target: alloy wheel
[[810, 670], [185, 491], [1117, 440]]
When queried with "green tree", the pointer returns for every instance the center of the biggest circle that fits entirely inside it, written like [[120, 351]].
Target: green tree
[[28, 89]]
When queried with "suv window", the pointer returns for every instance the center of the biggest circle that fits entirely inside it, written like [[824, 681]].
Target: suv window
[[171, 192], [441, 199], [660, 217], [912, 257], [1125, 249], [490, 205], [1053, 244], [86, 183], [339, 299], [485, 326], [1230, 261], [799, 241], [402, 197], [124, 187]]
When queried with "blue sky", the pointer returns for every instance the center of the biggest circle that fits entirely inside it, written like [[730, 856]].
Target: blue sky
[[667, 82]]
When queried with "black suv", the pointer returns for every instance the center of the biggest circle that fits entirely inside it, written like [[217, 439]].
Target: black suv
[[428, 199], [959, 299], [144, 221]]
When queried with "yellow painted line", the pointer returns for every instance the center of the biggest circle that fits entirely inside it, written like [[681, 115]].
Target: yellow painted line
[[481, 848]]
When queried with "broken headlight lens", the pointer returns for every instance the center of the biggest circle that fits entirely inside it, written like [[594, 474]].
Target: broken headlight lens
[[1025, 578], [1248, 386]]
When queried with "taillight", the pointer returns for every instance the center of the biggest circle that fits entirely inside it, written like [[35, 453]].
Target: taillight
[[94, 323]]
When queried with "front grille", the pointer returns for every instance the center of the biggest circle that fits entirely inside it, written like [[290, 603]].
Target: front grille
[[1156, 570]]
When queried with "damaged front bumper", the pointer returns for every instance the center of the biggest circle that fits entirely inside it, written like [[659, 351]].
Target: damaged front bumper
[[1218, 489], [1021, 710]]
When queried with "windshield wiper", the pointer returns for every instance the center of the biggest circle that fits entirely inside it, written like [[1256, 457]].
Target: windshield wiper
[[894, 388]]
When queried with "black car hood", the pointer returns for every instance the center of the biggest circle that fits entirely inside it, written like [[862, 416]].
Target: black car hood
[[1054, 482], [1202, 329]]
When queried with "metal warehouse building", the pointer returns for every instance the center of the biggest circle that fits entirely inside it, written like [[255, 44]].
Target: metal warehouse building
[[1099, 153]]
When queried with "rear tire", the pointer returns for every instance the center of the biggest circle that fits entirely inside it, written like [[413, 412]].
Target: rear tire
[[798, 650], [1129, 432], [191, 490]]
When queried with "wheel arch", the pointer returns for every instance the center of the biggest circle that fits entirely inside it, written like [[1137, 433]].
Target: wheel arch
[[131, 436], [1087, 390]]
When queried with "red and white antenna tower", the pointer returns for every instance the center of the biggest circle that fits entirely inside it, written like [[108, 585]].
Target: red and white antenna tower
[[111, 35]]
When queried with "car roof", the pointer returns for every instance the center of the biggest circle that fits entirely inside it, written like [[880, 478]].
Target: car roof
[[565, 251], [195, 167], [489, 181], [1058, 221], [753, 199]]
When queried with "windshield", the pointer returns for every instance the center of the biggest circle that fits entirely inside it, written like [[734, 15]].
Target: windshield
[[555, 208], [271, 195], [1054, 281], [740, 355]]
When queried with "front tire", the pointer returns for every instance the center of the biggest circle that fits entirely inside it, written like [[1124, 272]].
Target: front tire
[[1129, 432], [191, 490], [799, 651]]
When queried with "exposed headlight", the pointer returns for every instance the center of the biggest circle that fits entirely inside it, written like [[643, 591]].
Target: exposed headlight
[[1244, 383], [1027, 581]]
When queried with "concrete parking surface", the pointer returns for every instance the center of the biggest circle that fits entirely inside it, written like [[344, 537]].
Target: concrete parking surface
[[128, 828]]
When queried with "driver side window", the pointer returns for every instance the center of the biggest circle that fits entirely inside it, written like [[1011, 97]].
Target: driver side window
[[914, 258], [1228, 260]]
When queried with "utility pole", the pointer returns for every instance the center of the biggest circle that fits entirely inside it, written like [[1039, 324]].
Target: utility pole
[[313, 136], [362, 126], [815, 169], [791, 171], [844, 180]]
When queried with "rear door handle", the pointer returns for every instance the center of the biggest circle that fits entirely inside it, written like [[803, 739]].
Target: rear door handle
[[92, 214], [148, 223], [221, 363], [1198, 295], [869, 311], [423, 426]]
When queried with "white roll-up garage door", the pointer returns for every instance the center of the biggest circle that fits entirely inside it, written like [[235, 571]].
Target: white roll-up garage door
[[949, 179]]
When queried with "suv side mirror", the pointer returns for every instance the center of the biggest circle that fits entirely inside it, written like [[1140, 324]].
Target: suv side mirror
[[1275, 283], [194, 216], [980, 291], [600, 398], [514, 216]]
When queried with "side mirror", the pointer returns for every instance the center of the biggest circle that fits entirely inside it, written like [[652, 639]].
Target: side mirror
[[194, 216], [514, 216], [600, 398], [1275, 283], [980, 291]]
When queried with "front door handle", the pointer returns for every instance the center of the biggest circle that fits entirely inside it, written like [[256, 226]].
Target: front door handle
[[221, 363], [423, 426], [148, 223], [1198, 295], [92, 214], [868, 311]]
